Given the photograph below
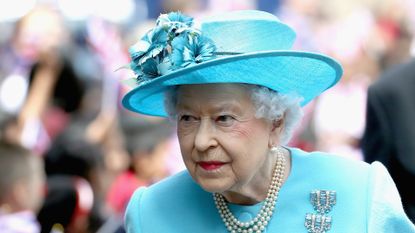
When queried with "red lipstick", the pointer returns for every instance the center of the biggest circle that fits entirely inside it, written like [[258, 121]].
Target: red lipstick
[[211, 165]]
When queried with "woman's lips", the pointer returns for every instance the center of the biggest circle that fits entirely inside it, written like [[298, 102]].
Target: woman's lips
[[211, 165]]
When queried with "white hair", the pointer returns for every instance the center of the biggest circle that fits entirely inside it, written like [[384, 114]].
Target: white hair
[[273, 106], [268, 104]]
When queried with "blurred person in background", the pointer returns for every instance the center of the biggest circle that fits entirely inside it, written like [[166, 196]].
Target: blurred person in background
[[72, 155], [68, 205], [22, 181], [50, 89], [55, 95], [55, 92], [389, 136], [33, 35], [148, 142]]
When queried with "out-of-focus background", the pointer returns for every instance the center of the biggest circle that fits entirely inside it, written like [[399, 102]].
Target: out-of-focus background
[[60, 91]]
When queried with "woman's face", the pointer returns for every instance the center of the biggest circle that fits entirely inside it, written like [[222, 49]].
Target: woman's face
[[223, 145]]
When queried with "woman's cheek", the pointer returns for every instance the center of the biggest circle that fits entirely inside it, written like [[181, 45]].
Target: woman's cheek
[[186, 130], [241, 130]]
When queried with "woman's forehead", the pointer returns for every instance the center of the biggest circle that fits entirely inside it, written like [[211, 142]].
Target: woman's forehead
[[215, 90], [214, 95]]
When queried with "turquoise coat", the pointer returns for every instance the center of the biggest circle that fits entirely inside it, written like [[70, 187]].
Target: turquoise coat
[[367, 201]]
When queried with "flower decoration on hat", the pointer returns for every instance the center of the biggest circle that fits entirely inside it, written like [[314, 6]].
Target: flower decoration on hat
[[173, 44], [190, 49]]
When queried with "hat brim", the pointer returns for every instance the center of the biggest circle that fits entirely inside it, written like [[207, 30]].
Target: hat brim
[[302, 73]]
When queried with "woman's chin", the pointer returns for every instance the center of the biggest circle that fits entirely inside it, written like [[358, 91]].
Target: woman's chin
[[213, 181], [216, 186]]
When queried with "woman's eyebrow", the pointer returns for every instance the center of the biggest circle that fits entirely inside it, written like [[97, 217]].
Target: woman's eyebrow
[[233, 106], [227, 107]]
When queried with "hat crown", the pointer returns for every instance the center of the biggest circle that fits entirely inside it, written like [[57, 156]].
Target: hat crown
[[248, 31]]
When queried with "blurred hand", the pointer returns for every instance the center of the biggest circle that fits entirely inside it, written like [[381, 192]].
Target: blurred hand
[[50, 59]]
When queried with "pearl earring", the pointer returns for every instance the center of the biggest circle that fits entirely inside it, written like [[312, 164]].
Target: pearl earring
[[274, 149]]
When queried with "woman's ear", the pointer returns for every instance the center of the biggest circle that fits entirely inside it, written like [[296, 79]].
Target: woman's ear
[[277, 126]]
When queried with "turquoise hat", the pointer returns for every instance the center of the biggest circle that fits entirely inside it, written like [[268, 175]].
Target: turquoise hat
[[250, 47]]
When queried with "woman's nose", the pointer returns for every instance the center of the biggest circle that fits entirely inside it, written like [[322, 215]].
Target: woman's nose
[[205, 135]]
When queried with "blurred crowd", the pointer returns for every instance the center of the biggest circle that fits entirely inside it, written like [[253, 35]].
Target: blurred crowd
[[62, 78]]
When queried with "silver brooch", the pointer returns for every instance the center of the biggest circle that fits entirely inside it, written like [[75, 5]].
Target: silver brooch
[[323, 202], [317, 223]]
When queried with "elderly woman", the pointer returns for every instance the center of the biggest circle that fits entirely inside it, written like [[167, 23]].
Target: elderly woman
[[236, 89]]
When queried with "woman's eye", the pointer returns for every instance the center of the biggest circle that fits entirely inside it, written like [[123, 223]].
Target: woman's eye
[[225, 119], [187, 118]]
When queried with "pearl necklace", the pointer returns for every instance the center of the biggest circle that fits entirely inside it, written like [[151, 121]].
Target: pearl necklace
[[260, 222]]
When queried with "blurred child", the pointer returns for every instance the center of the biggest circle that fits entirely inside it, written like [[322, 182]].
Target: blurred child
[[147, 143], [67, 206], [22, 181], [70, 161]]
